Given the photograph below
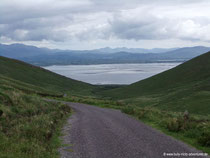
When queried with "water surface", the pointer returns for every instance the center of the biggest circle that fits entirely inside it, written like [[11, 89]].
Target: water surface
[[111, 73]]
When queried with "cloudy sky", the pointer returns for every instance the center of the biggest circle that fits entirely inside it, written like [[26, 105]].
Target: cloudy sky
[[90, 24]]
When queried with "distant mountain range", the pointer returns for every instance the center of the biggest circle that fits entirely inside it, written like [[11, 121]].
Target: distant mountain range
[[133, 50], [17, 51], [45, 56]]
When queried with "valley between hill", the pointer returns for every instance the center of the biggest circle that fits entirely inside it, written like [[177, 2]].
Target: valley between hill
[[30, 126]]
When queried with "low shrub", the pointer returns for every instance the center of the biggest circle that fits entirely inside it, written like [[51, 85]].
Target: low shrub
[[128, 110], [179, 123], [204, 139], [141, 114], [1, 112], [120, 103], [173, 125]]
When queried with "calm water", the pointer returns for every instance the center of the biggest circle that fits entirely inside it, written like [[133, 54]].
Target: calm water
[[111, 73]]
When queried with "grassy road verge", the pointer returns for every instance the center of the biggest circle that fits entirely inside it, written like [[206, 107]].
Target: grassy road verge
[[193, 129], [29, 126]]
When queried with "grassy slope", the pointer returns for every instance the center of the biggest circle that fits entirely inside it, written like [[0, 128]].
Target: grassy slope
[[29, 126], [185, 87], [42, 78]]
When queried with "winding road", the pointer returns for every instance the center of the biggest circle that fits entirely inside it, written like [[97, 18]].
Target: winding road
[[93, 132]]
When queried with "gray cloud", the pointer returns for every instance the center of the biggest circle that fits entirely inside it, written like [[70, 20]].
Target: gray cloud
[[114, 21]]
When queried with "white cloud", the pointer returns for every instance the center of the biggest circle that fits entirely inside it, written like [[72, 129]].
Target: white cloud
[[162, 22]]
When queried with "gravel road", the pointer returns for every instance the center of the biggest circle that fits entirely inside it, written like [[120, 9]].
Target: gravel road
[[93, 132]]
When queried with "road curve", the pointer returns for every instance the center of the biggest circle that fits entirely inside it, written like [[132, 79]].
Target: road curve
[[93, 132]]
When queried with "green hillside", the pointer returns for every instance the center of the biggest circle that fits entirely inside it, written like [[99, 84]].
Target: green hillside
[[29, 125], [39, 77], [185, 87]]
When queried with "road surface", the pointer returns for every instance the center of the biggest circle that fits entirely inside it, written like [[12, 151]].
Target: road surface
[[93, 132]]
